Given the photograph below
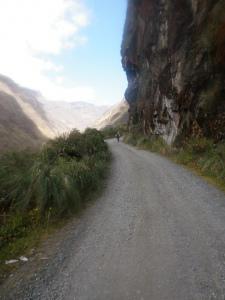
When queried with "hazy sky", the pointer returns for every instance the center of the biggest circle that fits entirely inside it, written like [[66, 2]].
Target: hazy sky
[[67, 49]]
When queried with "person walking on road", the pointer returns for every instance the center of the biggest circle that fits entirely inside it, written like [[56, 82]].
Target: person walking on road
[[118, 136]]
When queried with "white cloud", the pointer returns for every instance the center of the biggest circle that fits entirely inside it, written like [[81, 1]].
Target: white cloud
[[32, 32], [56, 90], [60, 93]]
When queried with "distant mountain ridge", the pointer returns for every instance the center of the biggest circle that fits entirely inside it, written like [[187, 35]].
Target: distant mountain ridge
[[115, 115], [28, 120], [65, 116]]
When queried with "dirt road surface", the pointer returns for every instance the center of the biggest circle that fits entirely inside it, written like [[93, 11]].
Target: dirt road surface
[[156, 233]]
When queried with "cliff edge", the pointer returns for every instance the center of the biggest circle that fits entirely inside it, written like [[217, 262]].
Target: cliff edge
[[173, 53]]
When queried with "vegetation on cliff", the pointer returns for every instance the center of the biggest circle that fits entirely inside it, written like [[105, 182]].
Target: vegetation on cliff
[[199, 154]]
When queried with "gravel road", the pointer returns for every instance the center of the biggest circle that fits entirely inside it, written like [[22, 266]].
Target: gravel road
[[157, 232]]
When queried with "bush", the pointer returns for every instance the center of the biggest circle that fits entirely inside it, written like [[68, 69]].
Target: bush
[[36, 189], [58, 178]]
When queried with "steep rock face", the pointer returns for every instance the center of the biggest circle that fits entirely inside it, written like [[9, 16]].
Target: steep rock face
[[173, 52]]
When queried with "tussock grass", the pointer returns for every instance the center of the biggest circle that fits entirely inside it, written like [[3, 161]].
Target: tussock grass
[[37, 189]]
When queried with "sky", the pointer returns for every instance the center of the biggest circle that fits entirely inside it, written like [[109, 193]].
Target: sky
[[69, 50]]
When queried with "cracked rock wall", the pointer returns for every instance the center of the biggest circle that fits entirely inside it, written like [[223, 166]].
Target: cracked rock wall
[[173, 53]]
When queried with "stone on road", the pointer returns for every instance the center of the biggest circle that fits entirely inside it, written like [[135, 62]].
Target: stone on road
[[157, 232]]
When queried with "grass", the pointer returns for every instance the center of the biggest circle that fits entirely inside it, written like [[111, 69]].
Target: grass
[[20, 242], [42, 189], [198, 154]]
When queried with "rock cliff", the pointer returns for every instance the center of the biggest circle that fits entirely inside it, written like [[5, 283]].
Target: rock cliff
[[173, 52]]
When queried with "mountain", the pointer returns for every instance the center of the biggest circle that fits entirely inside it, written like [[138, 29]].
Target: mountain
[[174, 56], [64, 116], [116, 115], [23, 122], [27, 119]]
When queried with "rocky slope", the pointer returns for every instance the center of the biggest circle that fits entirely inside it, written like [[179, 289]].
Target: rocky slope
[[173, 52], [23, 122], [116, 115], [28, 120]]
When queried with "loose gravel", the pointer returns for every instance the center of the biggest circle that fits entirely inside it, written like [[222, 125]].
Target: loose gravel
[[157, 232]]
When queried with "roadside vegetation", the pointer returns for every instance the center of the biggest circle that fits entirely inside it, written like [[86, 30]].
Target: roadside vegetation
[[110, 132], [39, 190], [199, 154]]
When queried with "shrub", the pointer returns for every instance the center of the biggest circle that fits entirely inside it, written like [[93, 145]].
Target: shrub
[[36, 189], [57, 178]]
